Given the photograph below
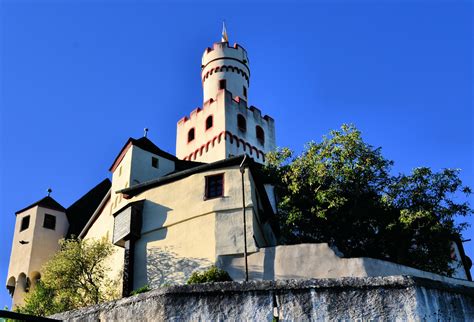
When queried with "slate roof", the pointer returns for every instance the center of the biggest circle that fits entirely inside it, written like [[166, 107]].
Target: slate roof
[[145, 144], [79, 213], [47, 202]]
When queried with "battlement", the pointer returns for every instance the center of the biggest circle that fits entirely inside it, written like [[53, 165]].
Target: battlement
[[222, 50]]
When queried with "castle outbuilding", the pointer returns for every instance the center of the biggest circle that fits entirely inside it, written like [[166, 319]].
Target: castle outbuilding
[[168, 216]]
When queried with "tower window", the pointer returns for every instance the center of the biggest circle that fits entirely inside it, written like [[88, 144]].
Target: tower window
[[25, 223], [154, 162], [241, 123], [245, 91], [214, 186], [209, 122], [260, 134], [49, 222], [222, 84], [191, 135]]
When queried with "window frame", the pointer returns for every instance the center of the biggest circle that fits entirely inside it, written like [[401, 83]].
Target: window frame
[[28, 219], [52, 217], [194, 134], [207, 186]]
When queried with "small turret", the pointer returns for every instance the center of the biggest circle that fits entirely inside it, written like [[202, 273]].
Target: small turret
[[38, 229]]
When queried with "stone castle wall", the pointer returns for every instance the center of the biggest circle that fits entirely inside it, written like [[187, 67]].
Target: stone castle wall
[[371, 298]]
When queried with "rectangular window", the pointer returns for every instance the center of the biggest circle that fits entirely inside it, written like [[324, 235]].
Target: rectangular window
[[25, 223], [245, 91], [214, 186], [49, 222], [222, 84], [154, 162]]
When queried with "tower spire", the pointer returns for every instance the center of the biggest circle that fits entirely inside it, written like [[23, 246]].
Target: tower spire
[[224, 33]]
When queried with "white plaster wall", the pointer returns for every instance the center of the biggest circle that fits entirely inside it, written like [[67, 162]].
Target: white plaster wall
[[223, 55], [121, 179], [142, 170], [45, 242], [103, 227], [202, 136], [305, 261], [456, 264], [179, 226]]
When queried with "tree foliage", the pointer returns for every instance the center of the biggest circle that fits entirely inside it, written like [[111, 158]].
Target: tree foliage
[[341, 191], [74, 277]]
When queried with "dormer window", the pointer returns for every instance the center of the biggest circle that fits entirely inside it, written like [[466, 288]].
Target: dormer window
[[260, 134], [241, 123], [154, 162], [191, 135], [209, 122], [25, 223], [49, 222]]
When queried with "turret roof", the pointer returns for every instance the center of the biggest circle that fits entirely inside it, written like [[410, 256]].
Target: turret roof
[[46, 202]]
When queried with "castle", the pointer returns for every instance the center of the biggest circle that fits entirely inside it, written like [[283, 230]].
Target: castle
[[169, 215]]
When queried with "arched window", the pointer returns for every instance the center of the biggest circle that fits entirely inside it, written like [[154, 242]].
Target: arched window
[[191, 135], [209, 122], [241, 123], [260, 134]]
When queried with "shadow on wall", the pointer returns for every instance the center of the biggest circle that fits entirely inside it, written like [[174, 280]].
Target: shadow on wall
[[166, 267]]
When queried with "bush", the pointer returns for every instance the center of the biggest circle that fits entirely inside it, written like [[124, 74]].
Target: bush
[[213, 274], [143, 289]]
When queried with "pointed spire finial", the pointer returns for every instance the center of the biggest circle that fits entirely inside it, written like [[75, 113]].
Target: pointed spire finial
[[224, 38], [145, 132], [49, 191]]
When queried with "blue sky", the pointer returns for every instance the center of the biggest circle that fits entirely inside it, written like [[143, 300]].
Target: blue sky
[[79, 77]]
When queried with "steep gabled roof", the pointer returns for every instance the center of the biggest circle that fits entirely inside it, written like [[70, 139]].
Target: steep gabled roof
[[47, 202], [79, 213], [144, 144]]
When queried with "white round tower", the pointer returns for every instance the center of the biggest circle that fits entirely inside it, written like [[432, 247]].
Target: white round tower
[[225, 67]]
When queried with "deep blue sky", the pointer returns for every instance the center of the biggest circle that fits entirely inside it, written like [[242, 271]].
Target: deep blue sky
[[79, 77]]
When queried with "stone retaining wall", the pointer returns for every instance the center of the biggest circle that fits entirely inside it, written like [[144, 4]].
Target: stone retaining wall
[[375, 298]]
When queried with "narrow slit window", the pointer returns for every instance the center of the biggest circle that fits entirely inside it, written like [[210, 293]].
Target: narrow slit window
[[241, 123], [209, 122], [222, 84], [191, 135], [214, 186], [25, 223], [245, 91], [260, 134], [49, 222], [154, 162]]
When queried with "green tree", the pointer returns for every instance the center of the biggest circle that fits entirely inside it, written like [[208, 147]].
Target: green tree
[[75, 276], [340, 191]]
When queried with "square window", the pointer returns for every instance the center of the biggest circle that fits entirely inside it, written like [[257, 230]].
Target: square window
[[154, 162], [214, 186], [25, 223], [49, 222]]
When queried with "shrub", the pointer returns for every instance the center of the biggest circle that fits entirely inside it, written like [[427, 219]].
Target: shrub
[[213, 274]]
